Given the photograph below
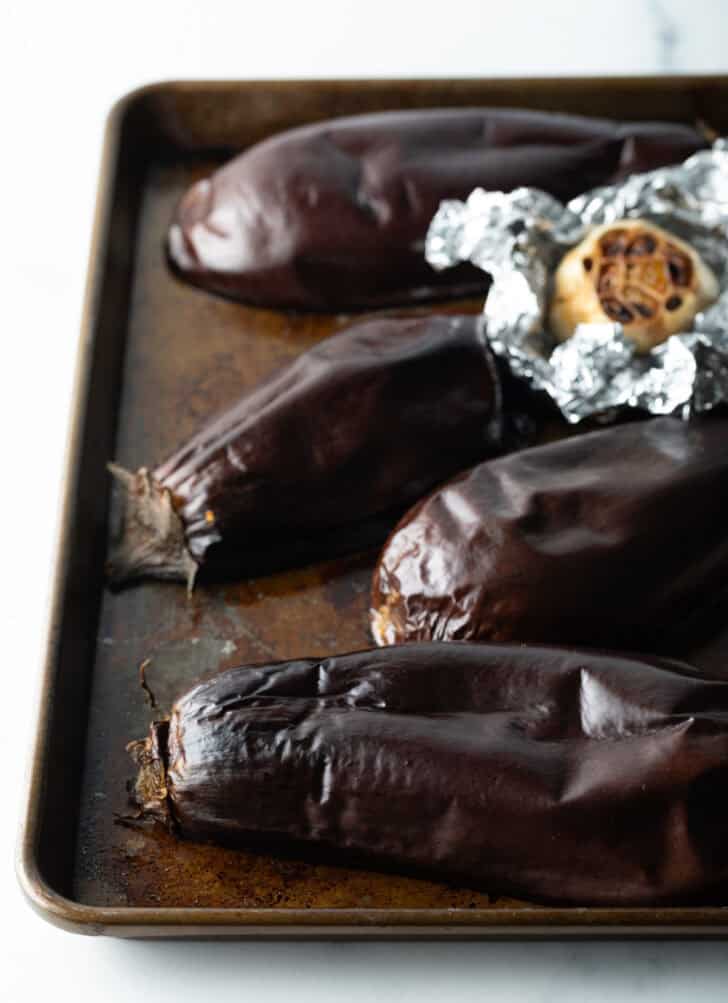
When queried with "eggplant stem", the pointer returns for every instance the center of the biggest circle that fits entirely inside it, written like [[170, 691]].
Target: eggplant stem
[[149, 793], [152, 541]]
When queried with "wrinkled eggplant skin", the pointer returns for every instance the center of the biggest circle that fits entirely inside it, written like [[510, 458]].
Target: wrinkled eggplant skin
[[553, 774], [615, 538], [325, 455], [333, 216]]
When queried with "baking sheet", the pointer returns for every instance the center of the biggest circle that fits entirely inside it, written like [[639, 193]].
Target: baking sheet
[[157, 357]]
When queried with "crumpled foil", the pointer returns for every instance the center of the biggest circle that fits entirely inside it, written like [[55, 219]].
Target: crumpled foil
[[519, 238]]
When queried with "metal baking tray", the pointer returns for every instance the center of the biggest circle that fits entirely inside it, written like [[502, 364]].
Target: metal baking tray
[[156, 356]]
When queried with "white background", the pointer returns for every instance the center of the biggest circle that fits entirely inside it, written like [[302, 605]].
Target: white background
[[62, 65]]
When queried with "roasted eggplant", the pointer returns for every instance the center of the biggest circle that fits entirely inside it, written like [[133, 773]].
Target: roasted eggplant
[[616, 538], [333, 215], [552, 774], [321, 458]]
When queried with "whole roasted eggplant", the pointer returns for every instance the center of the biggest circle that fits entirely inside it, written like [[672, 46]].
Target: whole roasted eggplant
[[333, 215], [320, 458], [548, 773], [613, 538]]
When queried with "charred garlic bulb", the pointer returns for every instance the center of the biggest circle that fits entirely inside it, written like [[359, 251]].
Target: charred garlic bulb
[[636, 274]]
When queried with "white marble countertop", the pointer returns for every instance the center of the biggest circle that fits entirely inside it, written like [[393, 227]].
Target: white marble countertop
[[63, 65]]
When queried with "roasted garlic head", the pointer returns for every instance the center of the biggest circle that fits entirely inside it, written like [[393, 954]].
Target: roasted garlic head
[[635, 273]]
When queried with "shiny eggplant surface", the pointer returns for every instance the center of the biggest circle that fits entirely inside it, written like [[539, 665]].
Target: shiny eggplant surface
[[333, 215], [321, 458], [613, 538], [552, 774]]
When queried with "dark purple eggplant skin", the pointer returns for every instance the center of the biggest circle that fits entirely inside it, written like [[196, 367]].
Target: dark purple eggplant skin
[[615, 538], [554, 774], [322, 457], [333, 216]]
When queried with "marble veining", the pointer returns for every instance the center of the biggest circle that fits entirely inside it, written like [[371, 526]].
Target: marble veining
[[666, 34]]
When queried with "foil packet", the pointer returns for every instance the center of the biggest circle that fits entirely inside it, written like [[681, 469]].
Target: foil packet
[[519, 239]]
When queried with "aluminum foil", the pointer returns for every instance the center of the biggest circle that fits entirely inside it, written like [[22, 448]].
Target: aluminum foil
[[519, 238]]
